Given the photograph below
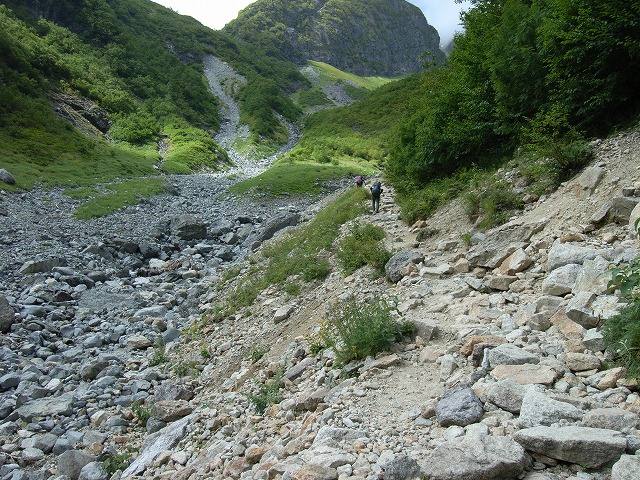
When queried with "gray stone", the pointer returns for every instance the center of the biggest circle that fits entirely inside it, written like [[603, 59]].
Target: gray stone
[[581, 362], [156, 444], [538, 409], [7, 315], [527, 374], [47, 407], [9, 380], [333, 436], [93, 471], [593, 340], [590, 447], [627, 468], [517, 262], [6, 177], [396, 266], [298, 369], [61, 446], [170, 410], [459, 406], [621, 208], [310, 399], [186, 227], [400, 467], [506, 394], [580, 309], [606, 306], [509, 354], [91, 370], [71, 462], [138, 342], [475, 457], [157, 311], [32, 455], [499, 282], [283, 313], [229, 238], [594, 277], [590, 179], [611, 419], [172, 391], [491, 253], [561, 280], [39, 266], [45, 442], [562, 254], [275, 224]]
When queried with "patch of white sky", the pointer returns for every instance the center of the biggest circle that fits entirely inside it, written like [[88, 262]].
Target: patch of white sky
[[444, 15]]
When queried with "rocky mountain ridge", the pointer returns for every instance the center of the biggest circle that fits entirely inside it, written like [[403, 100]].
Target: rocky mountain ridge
[[368, 38], [507, 377]]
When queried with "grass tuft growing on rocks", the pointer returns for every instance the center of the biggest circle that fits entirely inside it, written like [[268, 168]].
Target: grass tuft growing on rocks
[[126, 193], [363, 246], [356, 330], [302, 252]]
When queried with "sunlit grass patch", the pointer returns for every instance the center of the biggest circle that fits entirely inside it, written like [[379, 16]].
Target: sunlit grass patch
[[129, 192]]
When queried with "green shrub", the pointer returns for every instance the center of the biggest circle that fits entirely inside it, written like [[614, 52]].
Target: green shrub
[[363, 247], [292, 289], [159, 354], [142, 413], [185, 367], [318, 270], [622, 332], [116, 462], [257, 353], [622, 337], [268, 393], [302, 252], [493, 205], [627, 278], [356, 330]]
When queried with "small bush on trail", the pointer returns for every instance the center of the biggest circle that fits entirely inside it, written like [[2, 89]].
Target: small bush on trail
[[363, 247], [356, 330]]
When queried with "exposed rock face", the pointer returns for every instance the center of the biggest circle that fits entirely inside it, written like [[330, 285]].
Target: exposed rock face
[[81, 113], [372, 37]]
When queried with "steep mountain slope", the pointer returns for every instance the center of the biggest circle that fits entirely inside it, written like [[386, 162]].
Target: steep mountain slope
[[373, 37]]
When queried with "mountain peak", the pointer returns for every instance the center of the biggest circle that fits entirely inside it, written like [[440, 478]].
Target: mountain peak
[[365, 37]]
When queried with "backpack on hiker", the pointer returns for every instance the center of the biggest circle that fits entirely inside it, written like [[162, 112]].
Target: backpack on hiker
[[376, 189]]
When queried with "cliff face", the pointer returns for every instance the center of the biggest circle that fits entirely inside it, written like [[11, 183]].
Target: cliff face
[[366, 37]]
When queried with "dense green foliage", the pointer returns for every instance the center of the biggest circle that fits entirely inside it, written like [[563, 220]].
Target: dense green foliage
[[142, 64], [622, 332], [539, 73]]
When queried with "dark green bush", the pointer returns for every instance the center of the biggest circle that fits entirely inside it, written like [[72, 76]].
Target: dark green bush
[[363, 246]]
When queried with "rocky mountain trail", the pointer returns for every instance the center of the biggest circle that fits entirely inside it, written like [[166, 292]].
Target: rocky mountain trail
[[507, 377]]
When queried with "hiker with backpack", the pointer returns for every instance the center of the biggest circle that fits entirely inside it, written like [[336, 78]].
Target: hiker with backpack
[[376, 191], [359, 181]]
